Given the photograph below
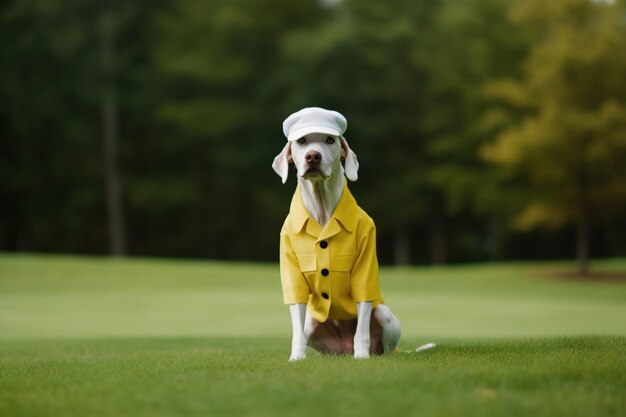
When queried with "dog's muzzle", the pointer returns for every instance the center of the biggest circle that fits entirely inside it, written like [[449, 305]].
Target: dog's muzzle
[[313, 161]]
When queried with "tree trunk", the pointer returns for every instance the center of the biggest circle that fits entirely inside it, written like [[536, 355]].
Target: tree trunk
[[582, 243], [494, 244], [117, 239], [437, 240], [582, 225], [402, 246]]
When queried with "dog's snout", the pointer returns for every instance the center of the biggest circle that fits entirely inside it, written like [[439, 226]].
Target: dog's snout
[[313, 158]]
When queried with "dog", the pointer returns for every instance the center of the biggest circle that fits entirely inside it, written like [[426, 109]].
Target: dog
[[328, 263]]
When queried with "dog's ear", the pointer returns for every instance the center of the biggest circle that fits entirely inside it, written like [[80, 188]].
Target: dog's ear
[[352, 163], [282, 161]]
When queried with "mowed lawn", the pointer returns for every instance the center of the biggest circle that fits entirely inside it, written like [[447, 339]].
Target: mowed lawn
[[86, 336]]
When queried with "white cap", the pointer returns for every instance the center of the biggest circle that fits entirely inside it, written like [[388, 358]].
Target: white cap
[[314, 120]]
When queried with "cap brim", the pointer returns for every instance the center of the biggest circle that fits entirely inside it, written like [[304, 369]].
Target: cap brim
[[297, 134]]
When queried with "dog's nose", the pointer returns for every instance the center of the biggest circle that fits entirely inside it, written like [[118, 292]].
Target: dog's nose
[[313, 158]]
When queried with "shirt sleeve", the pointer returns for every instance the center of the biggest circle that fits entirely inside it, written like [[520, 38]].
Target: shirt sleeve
[[295, 287], [364, 277]]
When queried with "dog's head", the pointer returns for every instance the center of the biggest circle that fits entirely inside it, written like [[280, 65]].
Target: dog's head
[[317, 157]]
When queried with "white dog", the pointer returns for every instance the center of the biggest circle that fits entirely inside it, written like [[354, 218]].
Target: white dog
[[328, 246]]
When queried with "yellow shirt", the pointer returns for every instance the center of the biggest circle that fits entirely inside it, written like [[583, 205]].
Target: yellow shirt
[[330, 268]]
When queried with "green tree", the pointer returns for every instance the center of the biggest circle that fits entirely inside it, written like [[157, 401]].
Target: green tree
[[51, 159], [472, 42], [568, 133]]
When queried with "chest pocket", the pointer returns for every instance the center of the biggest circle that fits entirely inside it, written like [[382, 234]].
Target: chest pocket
[[307, 263], [342, 263]]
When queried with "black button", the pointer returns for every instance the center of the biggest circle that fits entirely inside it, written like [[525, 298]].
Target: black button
[[325, 296], [325, 272], [323, 244]]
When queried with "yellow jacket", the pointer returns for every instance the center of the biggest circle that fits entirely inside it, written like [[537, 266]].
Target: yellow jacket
[[330, 268]]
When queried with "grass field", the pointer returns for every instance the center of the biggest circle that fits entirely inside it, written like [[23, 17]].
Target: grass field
[[83, 336]]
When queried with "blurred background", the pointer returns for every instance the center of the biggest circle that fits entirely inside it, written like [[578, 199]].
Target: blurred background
[[485, 129]]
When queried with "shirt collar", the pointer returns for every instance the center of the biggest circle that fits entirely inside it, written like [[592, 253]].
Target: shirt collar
[[344, 212]]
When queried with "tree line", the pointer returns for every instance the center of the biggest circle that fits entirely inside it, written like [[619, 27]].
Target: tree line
[[486, 129]]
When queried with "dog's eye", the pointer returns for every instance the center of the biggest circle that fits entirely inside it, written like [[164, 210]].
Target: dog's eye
[[330, 140], [301, 140]]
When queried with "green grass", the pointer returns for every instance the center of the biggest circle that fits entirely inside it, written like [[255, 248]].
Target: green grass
[[82, 336]]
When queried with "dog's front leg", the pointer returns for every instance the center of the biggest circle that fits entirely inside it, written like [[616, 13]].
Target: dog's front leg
[[362, 333], [298, 340]]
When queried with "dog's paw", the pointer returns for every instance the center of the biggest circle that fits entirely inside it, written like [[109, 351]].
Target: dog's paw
[[361, 355], [361, 347], [298, 350], [297, 357]]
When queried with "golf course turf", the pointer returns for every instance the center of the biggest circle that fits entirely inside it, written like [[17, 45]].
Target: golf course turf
[[88, 336]]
